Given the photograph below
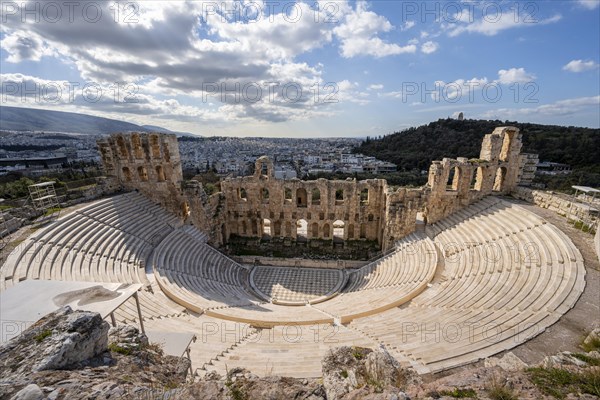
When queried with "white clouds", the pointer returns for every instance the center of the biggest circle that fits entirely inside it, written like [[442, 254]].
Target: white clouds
[[429, 47], [407, 25], [456, 90], [377, 86], [358, 35], [22, 46], [589, 4], [514, 75], [560, 108], [491, 25], [580, 66]]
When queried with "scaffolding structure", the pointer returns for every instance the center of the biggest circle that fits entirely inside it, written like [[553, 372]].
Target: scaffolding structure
[[43, 196], [3, 228], [589, 201]]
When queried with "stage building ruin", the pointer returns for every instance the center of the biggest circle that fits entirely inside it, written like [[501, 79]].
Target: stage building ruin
[[341, 211]]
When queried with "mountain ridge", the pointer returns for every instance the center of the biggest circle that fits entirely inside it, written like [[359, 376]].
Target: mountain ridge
[[34, 119]]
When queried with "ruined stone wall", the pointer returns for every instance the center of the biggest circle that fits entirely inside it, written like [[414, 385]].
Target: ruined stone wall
[[148, 162], [401, 211], [261, 205], [456, 183], [561, 204]]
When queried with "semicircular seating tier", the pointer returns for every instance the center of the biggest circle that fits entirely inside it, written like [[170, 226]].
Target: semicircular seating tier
[[106, 241], [501, 275], [204, 280]]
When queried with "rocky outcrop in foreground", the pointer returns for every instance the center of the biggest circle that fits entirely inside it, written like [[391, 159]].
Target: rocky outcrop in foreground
[[74, 355]]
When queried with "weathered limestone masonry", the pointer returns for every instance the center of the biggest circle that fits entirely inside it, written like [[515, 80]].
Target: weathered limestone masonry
[[597, 243], [260, 206], [146, 162], [457, 183], [561, 204]]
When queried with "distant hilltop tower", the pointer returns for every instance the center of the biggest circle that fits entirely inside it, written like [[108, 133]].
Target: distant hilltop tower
[[461, 116]]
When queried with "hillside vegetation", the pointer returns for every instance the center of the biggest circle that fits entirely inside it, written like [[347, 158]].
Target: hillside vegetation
[[415, 148]]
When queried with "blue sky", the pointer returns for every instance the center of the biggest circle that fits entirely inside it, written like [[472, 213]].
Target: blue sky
[[304, 69]]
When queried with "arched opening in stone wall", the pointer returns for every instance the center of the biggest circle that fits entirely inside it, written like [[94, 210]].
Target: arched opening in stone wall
[[499, 180], [506, 143], [127, 174], [301, 197], [288, 229], [301, 229], [350, 231], [255, 225], [266, 231], [136, 142], [160, 173], [185, 209], [155, 146], [338, 230], [421, 218], [244, 228], [315, 197], [453, 179], [339, 196], [325, 231], [265, 195], [314, 231], [264, 169], [477, 179], [363, 231], [364, 196], [287, 195], [370, 217], [243, 194], [122, 147], [143, 174], [277, 228]]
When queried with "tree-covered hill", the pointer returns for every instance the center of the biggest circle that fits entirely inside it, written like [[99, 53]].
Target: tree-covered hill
[[417, 147]]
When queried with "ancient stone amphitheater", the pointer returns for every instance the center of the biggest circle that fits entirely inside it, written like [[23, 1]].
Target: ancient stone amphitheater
[[483, 275]]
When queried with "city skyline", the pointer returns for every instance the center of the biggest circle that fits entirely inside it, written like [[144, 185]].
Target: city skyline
[[298, 69]]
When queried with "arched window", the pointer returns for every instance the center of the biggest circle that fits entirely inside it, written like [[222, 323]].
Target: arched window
[[265, 195], [243, 194], [301, 197], [364, 196], [315, 197], [160, 173], [287, 195], [127, 174], [339, 196], [277, 228], [155, 146], [477, 179], [453, 179], [266, 227], [363, 231], [506, 143], [314, 231], [143, 174], [122, 147], [350, 231], [301, 229], [326, 231], [499, 181], [137, 146], [338, 230]]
